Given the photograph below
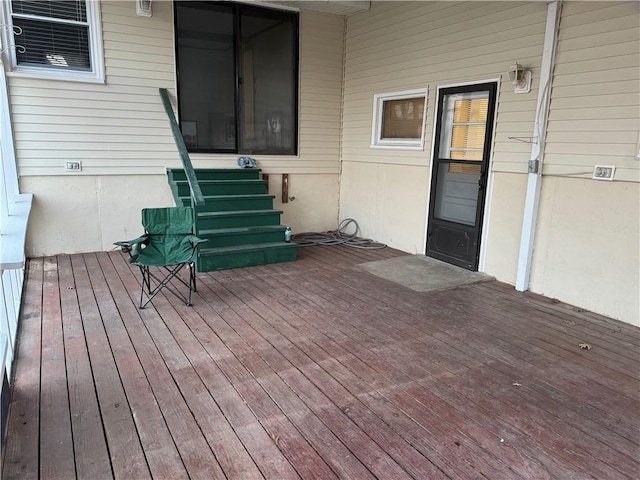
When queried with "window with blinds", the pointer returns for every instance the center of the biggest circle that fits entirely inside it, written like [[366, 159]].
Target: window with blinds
[[56, 38], [399, 119]]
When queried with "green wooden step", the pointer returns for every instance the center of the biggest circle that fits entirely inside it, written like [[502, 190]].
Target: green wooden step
[[227, 237], [242, 218], [180, 188], [216, 173], [227, 203], [245, 256]]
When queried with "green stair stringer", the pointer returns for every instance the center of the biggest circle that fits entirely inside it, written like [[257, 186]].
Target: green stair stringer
[[237, 218]]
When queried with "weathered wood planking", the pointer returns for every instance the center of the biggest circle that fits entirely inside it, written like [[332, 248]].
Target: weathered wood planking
[[314, 369], [90, 448], [21, 454], [125, 451]]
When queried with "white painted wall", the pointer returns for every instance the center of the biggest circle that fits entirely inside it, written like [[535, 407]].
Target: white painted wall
[[587, 250], [120, 133]]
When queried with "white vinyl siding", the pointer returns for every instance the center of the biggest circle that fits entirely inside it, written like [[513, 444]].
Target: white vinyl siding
[[405, 45], [595, 99], [120, 128]]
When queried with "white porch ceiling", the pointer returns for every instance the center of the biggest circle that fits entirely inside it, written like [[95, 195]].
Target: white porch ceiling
[[333, 7]]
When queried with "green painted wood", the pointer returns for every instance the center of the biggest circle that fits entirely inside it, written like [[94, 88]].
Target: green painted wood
[[245, 256], [223, 187], [195, 191], [237, 217], [229, 203], [216, 174], [228, 237], [245, 218]]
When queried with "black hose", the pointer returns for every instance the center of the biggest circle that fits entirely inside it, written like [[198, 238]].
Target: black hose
[[337, 237]]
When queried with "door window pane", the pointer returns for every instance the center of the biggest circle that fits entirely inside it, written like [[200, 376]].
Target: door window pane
[[464, 126], [457, 193]]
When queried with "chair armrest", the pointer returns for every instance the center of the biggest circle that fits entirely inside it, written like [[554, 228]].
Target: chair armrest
[[133, 247], [130, 243], [195, 241]]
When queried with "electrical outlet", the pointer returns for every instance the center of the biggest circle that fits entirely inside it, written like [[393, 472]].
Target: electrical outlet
[[603, 172], [73, 166]]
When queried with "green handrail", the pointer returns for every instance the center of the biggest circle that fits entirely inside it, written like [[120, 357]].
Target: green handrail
[[194, 186]]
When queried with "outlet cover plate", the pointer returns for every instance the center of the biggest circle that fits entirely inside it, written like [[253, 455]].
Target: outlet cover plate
[[73, 166], [603, 172]]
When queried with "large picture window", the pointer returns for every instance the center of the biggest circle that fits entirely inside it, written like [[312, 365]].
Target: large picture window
[[237, 78]]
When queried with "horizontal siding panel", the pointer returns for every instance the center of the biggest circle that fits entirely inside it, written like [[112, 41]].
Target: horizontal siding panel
[[599, 76], [620, 48], [56, 114], [72, 137], [150, 97], [463, 17], [629, 137], [607, 100], [608, 64], [597, 12], [609, 149], [138, 66], [123, 40], [79, 104], [143, 77], [509, 167], [601, 113], [588, 126], [138, 158], [153, 59], [126, 144], [594, 90], [524, 49], [611, 38], [607, 26], [449, 43]]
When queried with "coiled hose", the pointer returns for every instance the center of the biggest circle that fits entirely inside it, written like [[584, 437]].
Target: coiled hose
[[337, 237]]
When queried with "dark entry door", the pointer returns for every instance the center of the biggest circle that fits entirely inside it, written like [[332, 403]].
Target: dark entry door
[[461, 159]]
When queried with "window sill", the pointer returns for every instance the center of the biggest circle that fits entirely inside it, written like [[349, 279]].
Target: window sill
[[14, 232], [46, 74], [398, 147]]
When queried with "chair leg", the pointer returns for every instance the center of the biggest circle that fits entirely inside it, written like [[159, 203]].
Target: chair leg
[[172, 273], [146, 281]]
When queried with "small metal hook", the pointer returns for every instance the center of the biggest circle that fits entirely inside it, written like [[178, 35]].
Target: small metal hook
[[17, 31]]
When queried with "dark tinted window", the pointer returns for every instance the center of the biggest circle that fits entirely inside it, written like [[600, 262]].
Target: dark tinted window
[[237, 75]]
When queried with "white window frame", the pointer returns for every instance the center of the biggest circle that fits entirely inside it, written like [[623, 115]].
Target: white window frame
[[96, 52], [397, 143]]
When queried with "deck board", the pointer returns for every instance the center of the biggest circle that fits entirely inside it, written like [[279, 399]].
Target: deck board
[[314, 369]]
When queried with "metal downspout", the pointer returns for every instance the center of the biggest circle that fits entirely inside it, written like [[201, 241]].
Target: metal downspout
[[534, 180]]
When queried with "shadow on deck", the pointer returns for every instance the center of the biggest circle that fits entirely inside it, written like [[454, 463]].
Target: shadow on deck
[[314, 369]]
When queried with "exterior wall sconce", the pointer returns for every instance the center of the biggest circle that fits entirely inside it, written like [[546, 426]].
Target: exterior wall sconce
[[143, 8], [520, 78]]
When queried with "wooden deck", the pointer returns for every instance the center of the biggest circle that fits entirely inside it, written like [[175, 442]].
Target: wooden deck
[[314, 369]]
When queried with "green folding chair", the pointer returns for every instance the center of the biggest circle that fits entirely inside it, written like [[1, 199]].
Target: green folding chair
[[167, 246]]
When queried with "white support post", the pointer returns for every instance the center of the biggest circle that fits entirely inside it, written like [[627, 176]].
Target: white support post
[[534, 180]]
